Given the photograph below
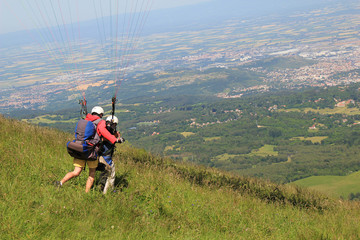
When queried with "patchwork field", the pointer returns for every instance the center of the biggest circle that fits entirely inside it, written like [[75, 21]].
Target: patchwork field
[[317, 139], [336, 110], [266, 150]]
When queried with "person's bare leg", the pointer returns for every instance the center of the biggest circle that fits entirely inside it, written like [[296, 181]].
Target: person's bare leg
[[90, 180], [71, 175]]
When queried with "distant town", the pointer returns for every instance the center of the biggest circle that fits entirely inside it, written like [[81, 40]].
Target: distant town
[[327, 39]]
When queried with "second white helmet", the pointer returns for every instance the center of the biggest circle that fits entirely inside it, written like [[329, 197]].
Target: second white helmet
[[112, 119], [98, 110]]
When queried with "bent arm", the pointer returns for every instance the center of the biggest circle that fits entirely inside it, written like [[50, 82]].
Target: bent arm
[[103, 132]]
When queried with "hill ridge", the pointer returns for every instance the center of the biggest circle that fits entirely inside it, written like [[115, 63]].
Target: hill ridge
[[155, 198]]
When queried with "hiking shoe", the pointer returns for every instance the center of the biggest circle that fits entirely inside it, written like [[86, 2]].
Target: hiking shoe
[[57, 184]]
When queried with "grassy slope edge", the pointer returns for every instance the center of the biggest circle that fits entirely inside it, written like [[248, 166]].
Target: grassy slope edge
[[155, 198]]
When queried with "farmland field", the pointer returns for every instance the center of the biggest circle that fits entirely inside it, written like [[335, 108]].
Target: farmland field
[[335, 186], [336, 110], [317, 139]]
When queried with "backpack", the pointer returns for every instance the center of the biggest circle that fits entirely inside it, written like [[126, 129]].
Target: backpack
[[87, 142]]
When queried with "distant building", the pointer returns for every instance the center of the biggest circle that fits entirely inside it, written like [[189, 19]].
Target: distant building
[[344, 103], [313, 127]]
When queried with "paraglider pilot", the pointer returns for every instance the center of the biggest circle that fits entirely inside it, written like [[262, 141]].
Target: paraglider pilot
[[106, 163]]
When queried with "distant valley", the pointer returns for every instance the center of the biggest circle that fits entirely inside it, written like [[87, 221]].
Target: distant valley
[[271, 96], [319, 47]]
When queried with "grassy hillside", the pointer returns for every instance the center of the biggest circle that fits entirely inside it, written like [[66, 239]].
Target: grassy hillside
[[155, 198]]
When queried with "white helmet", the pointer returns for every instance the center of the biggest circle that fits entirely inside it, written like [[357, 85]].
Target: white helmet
[[112, 119], [98, 110]]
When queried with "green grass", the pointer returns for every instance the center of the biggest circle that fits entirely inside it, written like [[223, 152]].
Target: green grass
[[226, 157], [146, 123], [336, 186], [336, 110], [316, 139], [155, 198], [210, 139], [50, 119], [187, 134], [266, 150]]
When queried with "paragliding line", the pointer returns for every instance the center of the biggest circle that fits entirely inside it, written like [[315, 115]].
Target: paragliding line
[[113, 101]]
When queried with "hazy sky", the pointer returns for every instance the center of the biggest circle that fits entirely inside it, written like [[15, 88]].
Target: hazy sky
[[18, 15]]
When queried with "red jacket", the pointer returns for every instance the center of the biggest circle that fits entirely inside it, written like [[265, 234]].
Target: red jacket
[[101, 128]]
